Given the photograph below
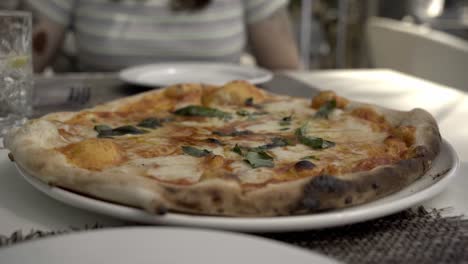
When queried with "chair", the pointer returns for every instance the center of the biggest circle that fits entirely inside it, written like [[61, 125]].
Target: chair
[[418, 50]]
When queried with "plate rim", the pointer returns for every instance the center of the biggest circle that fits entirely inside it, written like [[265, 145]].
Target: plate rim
[[154, 232], [333, 218], [126, 73]]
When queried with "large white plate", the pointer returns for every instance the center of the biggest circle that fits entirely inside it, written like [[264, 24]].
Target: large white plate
[[433, 182], [157, 245], [163, 74]]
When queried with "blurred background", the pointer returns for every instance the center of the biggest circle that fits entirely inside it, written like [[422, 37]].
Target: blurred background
[[425, 38]]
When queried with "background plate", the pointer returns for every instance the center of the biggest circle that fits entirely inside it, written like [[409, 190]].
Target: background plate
[[157, 245], [429, 185], [164, 74]]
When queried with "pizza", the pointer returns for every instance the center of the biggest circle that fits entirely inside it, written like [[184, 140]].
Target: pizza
[[231, 150]]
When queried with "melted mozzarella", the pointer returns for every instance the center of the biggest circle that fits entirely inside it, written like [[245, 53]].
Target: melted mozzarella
[[248, 175], [297, 106], [292, 153], [265, 127], [171, 168]]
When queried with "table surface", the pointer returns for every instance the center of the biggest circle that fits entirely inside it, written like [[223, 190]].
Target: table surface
[[24, 208]]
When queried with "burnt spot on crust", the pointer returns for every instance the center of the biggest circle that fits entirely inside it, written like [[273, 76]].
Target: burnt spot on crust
[[216, 197], [327, 184], [348, 200], [310, 202], [304, 165], [161, 210], [10, 156], [321, 187], [375, 185], [420, 152]]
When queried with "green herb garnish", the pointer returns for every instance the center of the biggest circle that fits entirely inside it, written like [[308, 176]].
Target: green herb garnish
[[243, 112], [107, 131], [254, 157], [234, 133], [250, 115], [197, 110], [275, 142], [102, 128], [326, 109], [284, 128], [259, 159], [214, 141], [237, 150], [151, 122], [195, 152], [312, 142]]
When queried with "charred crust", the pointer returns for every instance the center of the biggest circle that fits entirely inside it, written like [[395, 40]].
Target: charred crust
[[326, 184], [10, 156], [319, 187], [161, 210], [348, 200], [310, 202], [304, 165]]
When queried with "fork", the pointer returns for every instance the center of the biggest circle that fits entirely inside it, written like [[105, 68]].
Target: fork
[[79, 95]]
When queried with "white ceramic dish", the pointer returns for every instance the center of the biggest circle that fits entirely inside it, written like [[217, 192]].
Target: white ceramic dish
[[163, 74], [429, 185], [157, 245]]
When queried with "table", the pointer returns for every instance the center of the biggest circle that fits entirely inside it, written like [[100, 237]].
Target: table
[[23, 207]]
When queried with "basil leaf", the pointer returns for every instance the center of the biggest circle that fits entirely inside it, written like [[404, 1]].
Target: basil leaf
[[284, 128], [275, 142], [197, 110], [326, 109], [301, 131], [259, 159], [195, 152], [315, 142], [237, 150], [128, 130], [234, 133], [101, 128], [243, 112], [214, 141], [151, 122], [106, 131]]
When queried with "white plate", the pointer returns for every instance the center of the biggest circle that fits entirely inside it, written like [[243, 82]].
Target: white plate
[[157, 245], [433, 182], [163, 74]]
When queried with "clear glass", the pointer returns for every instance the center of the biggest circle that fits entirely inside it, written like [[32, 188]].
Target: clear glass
[[16, 74]]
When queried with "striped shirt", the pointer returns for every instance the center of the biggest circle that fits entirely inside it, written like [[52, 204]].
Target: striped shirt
[[111, 34]]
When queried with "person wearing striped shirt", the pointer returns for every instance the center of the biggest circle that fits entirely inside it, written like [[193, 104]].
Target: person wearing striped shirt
[[114, 34]]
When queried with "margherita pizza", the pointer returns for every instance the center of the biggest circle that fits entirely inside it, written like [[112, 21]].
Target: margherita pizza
[[234, 150]]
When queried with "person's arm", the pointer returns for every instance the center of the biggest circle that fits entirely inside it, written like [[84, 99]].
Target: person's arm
[[272, 42], [48, 37]]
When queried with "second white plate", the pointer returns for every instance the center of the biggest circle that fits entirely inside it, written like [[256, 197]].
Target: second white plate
[[157, 245], [429, 185], [164, 74]]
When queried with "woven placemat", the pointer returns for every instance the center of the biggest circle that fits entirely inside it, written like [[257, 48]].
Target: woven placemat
[[412, 236]]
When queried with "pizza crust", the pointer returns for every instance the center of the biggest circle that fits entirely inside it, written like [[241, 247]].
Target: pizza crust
[[33, 149]]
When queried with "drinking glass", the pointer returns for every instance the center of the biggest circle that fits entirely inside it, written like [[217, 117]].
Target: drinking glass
[[16, 75]]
